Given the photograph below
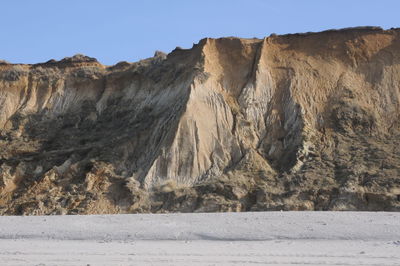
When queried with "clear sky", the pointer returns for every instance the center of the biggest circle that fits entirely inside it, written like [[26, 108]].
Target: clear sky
[[35, 31]]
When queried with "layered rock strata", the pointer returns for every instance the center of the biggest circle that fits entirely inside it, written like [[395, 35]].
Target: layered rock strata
[[292, 122]]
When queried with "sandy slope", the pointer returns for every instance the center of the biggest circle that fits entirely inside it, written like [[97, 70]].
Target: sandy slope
[[289, 122], [275, 238]]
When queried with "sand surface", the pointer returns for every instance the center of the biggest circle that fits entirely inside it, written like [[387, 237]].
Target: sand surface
[[263, 238]]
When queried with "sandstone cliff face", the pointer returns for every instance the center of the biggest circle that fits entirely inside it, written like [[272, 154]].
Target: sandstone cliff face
[[292, 122]]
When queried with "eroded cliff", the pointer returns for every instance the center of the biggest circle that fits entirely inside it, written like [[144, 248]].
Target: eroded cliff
[[293, 122]]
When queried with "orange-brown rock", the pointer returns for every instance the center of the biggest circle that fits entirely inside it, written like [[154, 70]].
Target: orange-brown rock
[[294, 122]]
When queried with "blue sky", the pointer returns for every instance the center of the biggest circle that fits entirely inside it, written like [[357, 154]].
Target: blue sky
[[38, 30]]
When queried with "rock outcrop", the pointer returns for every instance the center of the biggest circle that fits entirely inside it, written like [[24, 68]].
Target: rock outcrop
[[292, 122]]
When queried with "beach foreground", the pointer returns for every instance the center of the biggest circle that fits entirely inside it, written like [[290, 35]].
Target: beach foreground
[[266, 238]]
